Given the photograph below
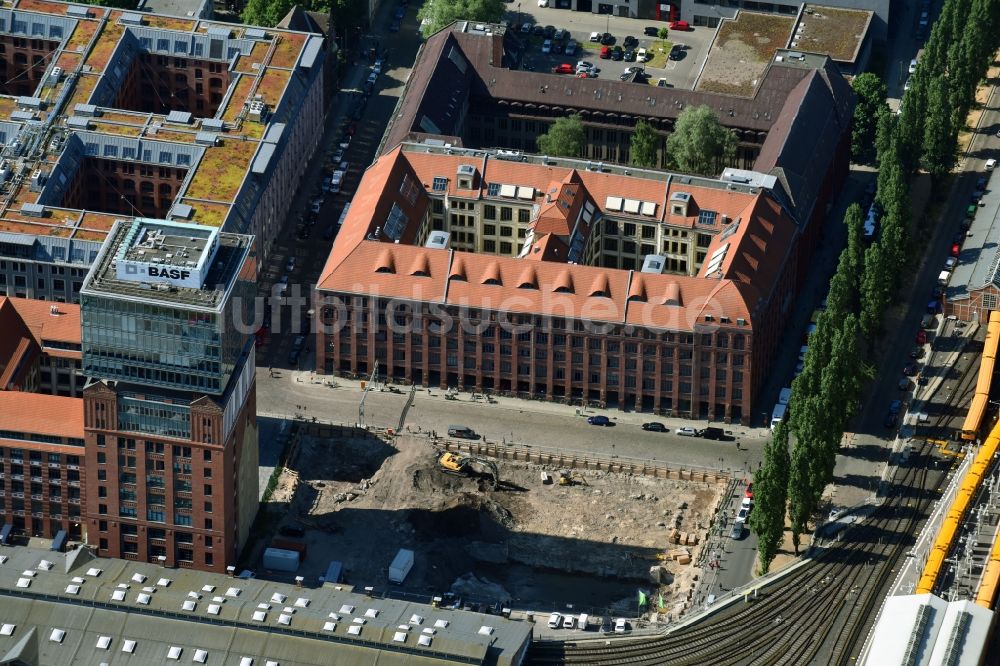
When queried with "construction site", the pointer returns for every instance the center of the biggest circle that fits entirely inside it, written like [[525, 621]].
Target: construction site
[[491, 531]]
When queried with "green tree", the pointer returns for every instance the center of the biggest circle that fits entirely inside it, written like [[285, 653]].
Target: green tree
[[266, 13], [854, 220], [883, 132], [875, 282], [645, 145], [770, 486], [699, 143], [871, 92], [800, 484], [939, 138], [663, 33], [565, 138], [442, 13]]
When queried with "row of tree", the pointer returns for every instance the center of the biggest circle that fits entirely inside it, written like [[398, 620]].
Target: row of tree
[[825, 395], [699, 143]]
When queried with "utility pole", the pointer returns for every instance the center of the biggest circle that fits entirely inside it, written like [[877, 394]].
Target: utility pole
[[368, 386]]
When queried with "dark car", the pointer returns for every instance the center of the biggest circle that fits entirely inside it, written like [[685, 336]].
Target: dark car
[[903, 384], [655, 427], [293, 357], [895, 406], [292, 531], [607, 39], [890, 420], [651, 31], [617, 53], [933, 307], [677, 52], [549, 31], [630, 42], [910, 369], [394, 26], [630, 55], [713, 433], [400, 13], [538, 30], [599, 420]]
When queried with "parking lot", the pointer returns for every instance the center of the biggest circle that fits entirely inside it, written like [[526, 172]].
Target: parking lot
[[678, 73]]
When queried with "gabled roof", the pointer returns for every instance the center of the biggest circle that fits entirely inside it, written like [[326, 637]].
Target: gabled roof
[[41, 414], [756, 230]]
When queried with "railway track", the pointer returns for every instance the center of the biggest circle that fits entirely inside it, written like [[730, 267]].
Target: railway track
[[814, 615]]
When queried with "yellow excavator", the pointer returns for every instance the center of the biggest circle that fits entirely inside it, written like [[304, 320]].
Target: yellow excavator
[[568, 478], [455, 463]]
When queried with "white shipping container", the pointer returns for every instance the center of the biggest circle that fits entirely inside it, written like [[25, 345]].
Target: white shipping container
[[278, 559], [401, 565]]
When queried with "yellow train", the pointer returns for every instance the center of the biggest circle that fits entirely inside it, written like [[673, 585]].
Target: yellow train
[[974, 417]]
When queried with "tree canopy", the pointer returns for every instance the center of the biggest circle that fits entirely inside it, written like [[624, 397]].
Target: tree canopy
[[699, 143], [443, 12], [565, 138], [644, 145], [266, 13], [871, 99]]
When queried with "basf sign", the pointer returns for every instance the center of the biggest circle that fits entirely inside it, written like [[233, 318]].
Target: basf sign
[[140, 271]]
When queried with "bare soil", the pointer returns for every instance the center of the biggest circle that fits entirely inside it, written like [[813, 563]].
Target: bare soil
[[541, 545]]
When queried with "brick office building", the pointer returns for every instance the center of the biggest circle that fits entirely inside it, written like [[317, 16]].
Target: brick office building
[[170, 414], [541, 278], [41, 458], [40, 347]]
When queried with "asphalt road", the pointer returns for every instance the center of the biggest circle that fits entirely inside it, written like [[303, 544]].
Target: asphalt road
[[903, 46], [534, 423], [680, 74]]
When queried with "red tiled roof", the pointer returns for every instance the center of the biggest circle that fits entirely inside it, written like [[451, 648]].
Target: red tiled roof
[[363, 264], [41, 414], [59, 322], [16, 341]]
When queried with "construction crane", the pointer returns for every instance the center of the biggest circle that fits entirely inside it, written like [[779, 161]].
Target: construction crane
[[455, 463]]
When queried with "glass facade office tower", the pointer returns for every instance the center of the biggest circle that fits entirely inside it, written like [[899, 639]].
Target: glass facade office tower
[[170, 410]]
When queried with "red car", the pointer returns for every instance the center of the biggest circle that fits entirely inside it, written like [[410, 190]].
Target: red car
[[605, 52], [749, 491], [564, 68], [956, 249], [680, 25], [921, 337]]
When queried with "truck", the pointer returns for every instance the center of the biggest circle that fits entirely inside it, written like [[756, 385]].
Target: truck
[[278, 559], [784, 396], [401, 565], [334, 573], [778, 415]]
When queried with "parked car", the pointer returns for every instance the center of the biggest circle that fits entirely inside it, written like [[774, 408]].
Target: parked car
[[630, 42], [560, 35], [743, 514], [662, 83], [607, 39], [538, 31], [595, 36], [651, 31], [737, 530], [617, 53], [570, 48], [599, 420], [583, 65], [686, 431], [890, 420], [621, 626], [316, 206], [677, 52], [642, 55], [956, 249], [394, 26], [654, 427], [895, 406], [630, 55], [921, 337], [564, 68], [907, 85], [290, 264], [909, 370], [605, 53], [549, 31], [903, 384], [547, 46], [679, 25], [555, 621], [526, 28], [749, 491]]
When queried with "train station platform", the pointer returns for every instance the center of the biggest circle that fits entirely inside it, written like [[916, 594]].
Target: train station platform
[[926, 630]]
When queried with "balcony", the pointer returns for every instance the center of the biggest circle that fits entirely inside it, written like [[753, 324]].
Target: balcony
[[55, 482], [37, 496], [130, 556], [36, 479], [76, 467], [74, 484], [55, 516], [17, 494], [54, 465], [17, 477], [35, 463], [17, 461], [74, 500]]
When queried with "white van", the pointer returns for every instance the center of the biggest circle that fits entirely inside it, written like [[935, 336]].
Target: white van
[[569, 621], [581, 624], [991, 164], [555, 621], [943, 277], [778, 415]]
